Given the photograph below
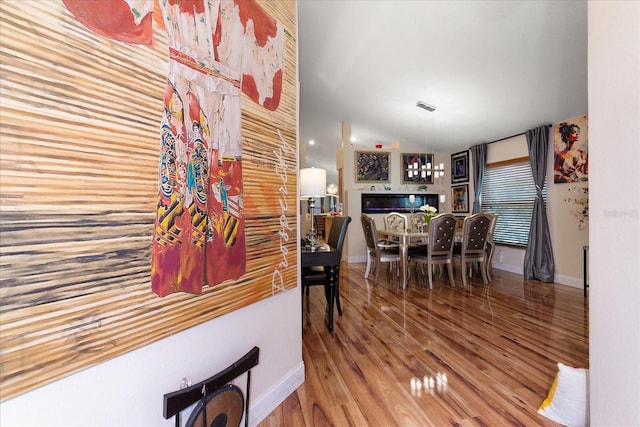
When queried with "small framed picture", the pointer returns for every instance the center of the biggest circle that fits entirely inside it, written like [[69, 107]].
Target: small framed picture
[[414, 168], [460, 167], [460, 198], [373, 166]]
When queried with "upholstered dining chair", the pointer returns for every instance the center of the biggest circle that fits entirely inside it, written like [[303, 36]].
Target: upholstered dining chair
[[320, 222], [376, 252], [475, 229], [491, 247], [439, 249], [396, 221], [312, 276], [417, 222]]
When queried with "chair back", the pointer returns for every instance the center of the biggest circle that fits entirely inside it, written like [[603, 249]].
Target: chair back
[[417, 220], [370, 231], [475, 229], [442, 229], [320, 221], [492, 225], [338, 232], [396, 221]]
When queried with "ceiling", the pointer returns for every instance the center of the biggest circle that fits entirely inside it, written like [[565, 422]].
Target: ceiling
[[492, 69]]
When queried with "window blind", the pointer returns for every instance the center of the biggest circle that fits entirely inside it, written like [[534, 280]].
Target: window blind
[[509, 191]]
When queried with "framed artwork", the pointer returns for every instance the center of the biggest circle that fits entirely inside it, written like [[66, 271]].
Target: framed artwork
[[570, 150], [460, 167], [414, 168], [460, 198], [373, 166]]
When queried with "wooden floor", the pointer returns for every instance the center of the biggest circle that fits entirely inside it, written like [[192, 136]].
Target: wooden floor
[[475, 356]]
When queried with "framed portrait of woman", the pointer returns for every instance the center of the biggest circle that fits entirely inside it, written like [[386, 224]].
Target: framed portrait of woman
[[570, 151]]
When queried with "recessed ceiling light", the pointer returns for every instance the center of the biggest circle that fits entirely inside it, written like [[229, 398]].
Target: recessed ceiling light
[[311, 142], [353, 138]]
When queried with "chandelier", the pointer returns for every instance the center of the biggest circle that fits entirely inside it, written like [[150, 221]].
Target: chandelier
[[420, 169], [428, 167]]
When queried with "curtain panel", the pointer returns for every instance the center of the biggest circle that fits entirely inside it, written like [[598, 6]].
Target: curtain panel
[[538, 259], [479, 158]]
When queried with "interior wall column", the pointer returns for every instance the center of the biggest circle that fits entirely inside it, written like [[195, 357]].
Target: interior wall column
[[345, 138]]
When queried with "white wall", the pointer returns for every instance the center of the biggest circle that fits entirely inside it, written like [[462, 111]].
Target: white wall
[[128, 390], [614, 241]]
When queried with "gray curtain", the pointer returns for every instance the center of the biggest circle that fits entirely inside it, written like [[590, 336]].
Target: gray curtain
[[538, 259], [479, 158]]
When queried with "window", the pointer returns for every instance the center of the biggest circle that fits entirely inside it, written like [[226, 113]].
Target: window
[[508, 191]]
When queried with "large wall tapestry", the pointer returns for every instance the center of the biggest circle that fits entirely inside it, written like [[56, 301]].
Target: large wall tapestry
[[148, 149], [571, 154], [372, 166]]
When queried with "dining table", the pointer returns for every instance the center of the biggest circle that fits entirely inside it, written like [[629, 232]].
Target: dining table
[[325, 256], [405, 237]]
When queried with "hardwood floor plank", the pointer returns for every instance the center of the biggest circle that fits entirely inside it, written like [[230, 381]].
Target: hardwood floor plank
[[481, 355]]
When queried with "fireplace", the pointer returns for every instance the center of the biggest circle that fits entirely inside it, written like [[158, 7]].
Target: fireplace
[[395, 202]]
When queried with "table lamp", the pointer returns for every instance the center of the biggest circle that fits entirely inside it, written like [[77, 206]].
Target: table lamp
[[313, 183]]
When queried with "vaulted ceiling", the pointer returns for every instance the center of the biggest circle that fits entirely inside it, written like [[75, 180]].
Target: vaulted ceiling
[[492, 69]]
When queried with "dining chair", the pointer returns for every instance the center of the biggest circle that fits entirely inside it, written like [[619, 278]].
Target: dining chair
[[439, 249], [318, 275], [491, 247], [396, 221], [320, 222], [399, 222], [418, 222], [417, 219], [376, 252], [475, 229]]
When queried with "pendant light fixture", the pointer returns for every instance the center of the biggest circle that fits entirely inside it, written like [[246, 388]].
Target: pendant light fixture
[[428, 169]]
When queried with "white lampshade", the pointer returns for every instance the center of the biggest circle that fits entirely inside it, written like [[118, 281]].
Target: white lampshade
[[313, 182]]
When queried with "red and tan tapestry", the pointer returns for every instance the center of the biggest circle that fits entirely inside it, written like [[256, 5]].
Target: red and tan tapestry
[[216, 49], [149, 149]]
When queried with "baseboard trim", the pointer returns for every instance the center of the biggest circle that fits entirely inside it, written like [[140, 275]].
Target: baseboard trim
[[264, 405], [356, 259], [574, 282], [508, 267]]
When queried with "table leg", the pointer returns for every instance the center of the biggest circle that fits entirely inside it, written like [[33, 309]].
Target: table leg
[[404, 261], [332, 294]]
